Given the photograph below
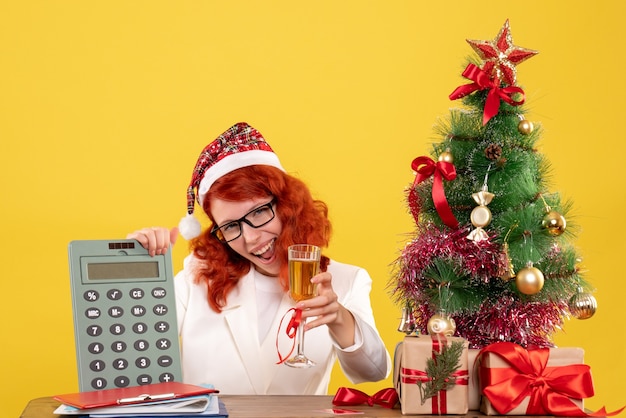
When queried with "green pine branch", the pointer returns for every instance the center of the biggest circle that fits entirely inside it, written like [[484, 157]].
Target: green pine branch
[[440, 370]]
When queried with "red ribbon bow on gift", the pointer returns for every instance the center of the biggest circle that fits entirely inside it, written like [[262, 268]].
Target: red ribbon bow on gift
[[426, 167], [386, 398], [551, 389], [482, 81]]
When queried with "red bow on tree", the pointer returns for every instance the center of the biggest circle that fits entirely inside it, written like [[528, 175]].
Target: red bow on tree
[[482, 81], [426, 167]]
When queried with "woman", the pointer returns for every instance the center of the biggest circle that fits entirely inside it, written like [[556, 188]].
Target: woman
[[232, 294]]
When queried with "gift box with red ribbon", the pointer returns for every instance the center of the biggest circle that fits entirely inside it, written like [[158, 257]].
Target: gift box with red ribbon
[[542, 381], [473, 385], [421, 392]]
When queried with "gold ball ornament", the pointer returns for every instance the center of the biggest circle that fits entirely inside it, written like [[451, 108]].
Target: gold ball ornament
[[525, 127], [441, 324], [554, 223], [582, 305], [529, 280], [446, 156]]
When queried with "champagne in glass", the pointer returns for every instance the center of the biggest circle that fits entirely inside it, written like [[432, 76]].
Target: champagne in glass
[[304, 263], [300, 273]]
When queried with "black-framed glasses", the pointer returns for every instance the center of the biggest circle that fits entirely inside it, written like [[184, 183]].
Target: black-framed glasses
[[256, 218]]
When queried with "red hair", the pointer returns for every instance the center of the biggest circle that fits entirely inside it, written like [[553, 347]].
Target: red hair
[[304, 221]]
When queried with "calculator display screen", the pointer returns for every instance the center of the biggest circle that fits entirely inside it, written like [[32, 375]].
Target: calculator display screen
[[126, 270]]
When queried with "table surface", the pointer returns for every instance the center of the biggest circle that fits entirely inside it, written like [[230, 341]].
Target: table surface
[[258, 406]]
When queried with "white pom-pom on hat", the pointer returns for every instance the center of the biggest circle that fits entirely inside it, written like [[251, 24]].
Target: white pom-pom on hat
[[240, 146], [189, 226]]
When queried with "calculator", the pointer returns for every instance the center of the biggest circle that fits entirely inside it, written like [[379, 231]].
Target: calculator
[[124, 312]]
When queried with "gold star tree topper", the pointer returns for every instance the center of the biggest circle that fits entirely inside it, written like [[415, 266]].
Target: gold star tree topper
[[501, 56]]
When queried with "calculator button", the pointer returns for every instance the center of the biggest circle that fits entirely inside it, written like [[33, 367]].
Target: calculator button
[[160, 310], [162, 326], [121, 381], [166, 377], [91, 296], [116, 312], [164, 361], [137, 293], [144, 379], [141, 345], [118, 346], [94, 330], [92, 313], [114, 294], [163, 343], [98, 383], [120, 364], [158, 293], [142, 362], [117, 329], [95, 348], [97, 365], [138, 310], [140, 328]]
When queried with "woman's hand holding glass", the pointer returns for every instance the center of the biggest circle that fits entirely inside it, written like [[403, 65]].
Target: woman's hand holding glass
[[326, 310]]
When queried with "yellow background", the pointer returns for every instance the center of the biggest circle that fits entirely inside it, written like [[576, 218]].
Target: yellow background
[[105, 105]]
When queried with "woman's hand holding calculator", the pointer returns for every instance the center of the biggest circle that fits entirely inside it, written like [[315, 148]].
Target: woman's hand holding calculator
[[156, 240]]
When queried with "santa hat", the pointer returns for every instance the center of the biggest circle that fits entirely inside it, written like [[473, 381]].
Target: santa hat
[[240, 146]]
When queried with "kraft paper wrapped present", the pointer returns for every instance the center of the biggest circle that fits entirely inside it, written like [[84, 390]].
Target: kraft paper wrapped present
[[412, 382], [473, 385], [542, 381]]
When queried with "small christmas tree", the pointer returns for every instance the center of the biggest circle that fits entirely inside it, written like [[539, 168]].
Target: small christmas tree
[[491, 259]]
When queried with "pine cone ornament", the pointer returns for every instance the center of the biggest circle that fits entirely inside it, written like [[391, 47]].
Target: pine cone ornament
[[493, 152]]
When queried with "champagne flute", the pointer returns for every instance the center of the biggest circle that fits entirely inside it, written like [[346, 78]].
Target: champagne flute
[[304, 263]]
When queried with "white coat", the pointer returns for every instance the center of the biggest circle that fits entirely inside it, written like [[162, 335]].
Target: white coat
[[223, 349]]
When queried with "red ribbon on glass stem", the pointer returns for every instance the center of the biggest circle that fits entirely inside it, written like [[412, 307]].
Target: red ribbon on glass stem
[[386, 398], [551, 389], [482, 81], [425, 167], [291, 330]]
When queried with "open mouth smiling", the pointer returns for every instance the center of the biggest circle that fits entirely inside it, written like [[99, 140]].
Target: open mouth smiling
[[265, 252]]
